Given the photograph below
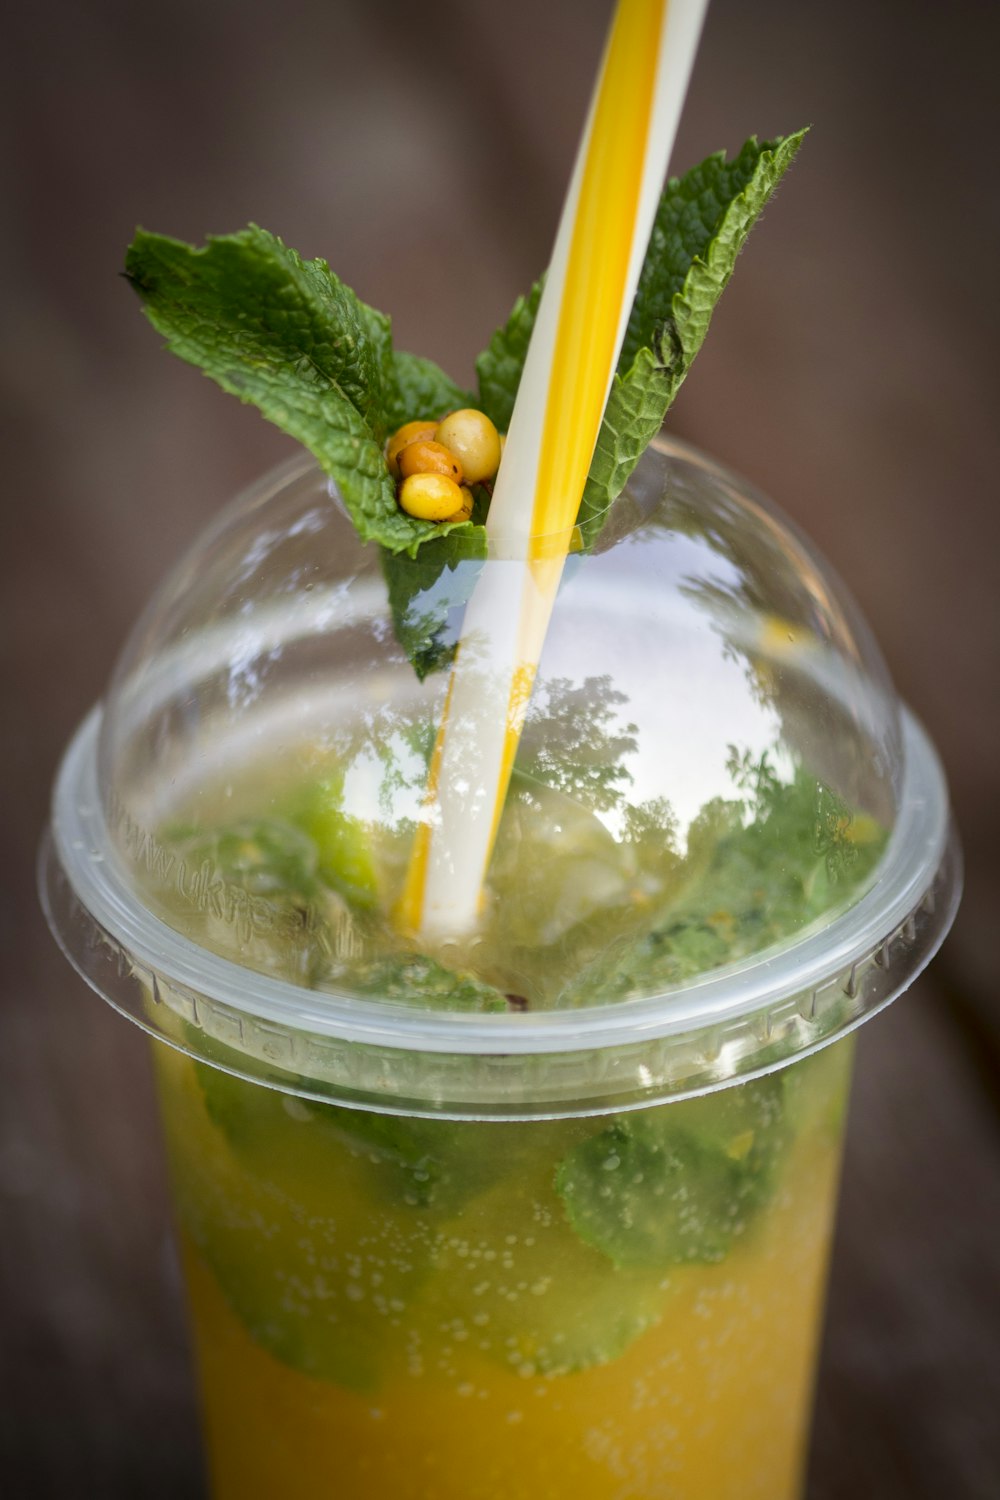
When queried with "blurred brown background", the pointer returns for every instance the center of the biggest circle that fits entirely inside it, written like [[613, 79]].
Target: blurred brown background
[[851, 373]]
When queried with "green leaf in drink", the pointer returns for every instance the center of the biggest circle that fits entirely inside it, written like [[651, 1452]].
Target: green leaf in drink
[[342, 843], [256, 1200], [758, 870], [678, 1184], [403, 978], [266, 857], [264, 1127], [545, 1301]]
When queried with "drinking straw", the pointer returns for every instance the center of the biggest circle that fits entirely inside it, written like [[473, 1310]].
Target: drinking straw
[[582, 316]]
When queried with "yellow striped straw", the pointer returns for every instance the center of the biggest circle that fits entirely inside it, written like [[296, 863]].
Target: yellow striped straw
[[603, 233]]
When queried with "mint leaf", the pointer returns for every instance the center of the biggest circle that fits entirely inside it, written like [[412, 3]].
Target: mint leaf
[[245, 301], [279, 1240], [287, 870], [501, 362], [421, 389], [414, 979], [633, 416], [260, 1129], [341, 842], [679, 1183], [287, 336], [700, 228], [701, 225], [265, 857], [423, 589]]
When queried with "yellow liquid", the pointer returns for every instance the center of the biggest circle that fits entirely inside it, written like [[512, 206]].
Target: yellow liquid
[[457, 1394]]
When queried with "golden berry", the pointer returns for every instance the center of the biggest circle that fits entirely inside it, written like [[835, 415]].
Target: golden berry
[[430, 497], [464, 511], [423, 457], [410, 432], [475, 442]]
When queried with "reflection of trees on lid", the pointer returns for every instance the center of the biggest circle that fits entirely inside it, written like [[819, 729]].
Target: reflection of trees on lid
[[775, 618], [750, 575], [758, 869], [574, 742]]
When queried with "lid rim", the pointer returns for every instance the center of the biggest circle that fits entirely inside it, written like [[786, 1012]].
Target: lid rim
[[94, 871]]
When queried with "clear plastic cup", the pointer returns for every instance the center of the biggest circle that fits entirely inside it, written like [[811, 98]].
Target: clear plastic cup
[[545, 1209]]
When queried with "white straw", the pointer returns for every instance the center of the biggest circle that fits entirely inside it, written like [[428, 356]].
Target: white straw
[[507, 617]]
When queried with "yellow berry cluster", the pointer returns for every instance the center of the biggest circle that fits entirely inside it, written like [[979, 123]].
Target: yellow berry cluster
[[434, 463]]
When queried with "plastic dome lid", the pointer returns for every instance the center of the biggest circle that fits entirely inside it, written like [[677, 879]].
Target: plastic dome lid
[[724, 842]]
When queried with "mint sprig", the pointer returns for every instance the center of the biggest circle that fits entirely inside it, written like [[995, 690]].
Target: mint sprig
[[286, 335]]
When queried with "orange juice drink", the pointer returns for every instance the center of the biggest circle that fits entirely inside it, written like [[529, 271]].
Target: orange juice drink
[[622, 1305]]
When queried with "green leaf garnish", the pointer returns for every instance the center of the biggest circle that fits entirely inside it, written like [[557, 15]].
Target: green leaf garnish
[[701, 226], [289, 337], [424, 588], [637, 404]]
